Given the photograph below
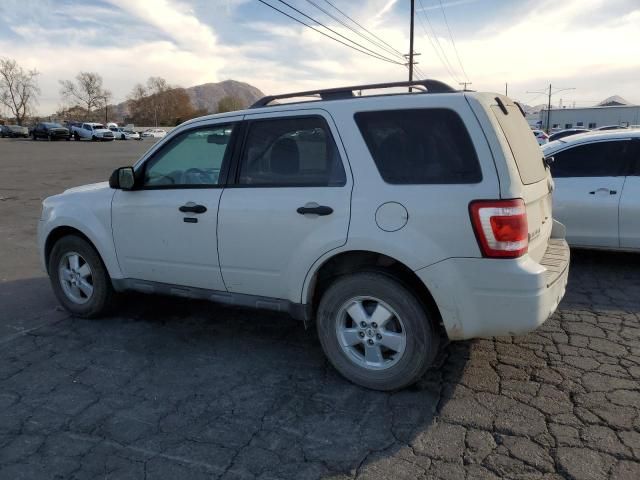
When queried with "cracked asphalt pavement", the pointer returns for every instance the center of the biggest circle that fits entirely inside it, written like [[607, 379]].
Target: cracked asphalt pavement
[[169, 388]]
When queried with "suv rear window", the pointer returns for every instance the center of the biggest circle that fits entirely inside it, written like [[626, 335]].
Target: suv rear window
[[420, 146], [523, 145]]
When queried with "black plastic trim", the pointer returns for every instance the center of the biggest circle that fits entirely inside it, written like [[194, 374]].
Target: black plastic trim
[[296, 310]]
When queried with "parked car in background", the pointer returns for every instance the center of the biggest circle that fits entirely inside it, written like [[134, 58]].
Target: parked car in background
[[541, 137], [333, 223], [14, 131], [120, 133], [610, 127], [566, 133], [154, 133], [597, 188], [50, 131], [92, 131]]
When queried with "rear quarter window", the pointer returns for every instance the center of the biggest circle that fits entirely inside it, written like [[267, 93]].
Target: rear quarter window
[[420, 146]]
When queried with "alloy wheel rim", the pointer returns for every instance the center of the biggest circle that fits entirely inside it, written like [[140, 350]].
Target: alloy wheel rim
[[371, 333], [76, 278]]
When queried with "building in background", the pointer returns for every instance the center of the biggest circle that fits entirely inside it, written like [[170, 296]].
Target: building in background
[[612, 111]]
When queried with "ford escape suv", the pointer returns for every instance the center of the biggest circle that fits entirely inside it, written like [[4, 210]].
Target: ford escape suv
[[391, 220]]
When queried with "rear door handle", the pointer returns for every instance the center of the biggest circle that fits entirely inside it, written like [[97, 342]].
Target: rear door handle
[[192, 208], [318, 210], [603, 190]]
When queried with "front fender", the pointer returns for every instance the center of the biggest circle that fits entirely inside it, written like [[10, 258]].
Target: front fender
[[90, 217]]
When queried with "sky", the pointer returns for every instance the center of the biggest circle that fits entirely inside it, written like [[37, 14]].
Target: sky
[[591, 46]]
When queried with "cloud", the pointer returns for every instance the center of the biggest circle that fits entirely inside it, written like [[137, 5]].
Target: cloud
[[527, 44]]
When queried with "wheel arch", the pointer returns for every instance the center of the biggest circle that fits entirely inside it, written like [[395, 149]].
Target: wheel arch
[[63, 231], [352, 261]]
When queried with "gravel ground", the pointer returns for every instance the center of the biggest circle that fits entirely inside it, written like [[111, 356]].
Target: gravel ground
[[169, 388]]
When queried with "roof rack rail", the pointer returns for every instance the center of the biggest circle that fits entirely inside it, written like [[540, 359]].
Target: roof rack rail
[[431, 86]]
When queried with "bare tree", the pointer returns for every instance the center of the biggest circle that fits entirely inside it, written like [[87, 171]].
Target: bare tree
[[230, 104], [86, 91], [159, 103], [18, 89]]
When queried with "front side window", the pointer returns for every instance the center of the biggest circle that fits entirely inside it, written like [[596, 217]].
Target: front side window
[[292, 151], [420, 146], [601, 159], [193, 158]]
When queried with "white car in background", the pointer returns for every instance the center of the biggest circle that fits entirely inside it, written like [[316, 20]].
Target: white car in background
[[597, 188], [154, 133], [541, 137], [120, 133]]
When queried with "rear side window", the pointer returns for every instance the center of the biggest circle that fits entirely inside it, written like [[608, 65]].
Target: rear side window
[[420, 146], [523, 145], [602, 159], [293, 151]]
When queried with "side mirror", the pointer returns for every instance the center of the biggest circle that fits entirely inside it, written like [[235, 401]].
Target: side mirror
[[548, 161], [122, 178]]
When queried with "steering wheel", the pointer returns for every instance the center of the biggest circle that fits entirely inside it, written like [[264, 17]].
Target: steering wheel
[[204, 176]]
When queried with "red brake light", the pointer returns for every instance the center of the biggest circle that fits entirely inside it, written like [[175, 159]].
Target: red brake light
[[500, 227]]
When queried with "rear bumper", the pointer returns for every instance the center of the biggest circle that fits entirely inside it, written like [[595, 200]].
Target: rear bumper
[[481, 297]]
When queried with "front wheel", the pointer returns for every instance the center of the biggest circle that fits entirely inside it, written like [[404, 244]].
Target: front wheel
[[76, 136], [375, 331], [79, 279]]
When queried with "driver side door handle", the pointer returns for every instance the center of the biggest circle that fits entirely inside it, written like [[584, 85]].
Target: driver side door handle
[[192, 208]]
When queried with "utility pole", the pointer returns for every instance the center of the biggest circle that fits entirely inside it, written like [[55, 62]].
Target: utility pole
[[464, 85], [549, 111], [549, 93], [413, 5]]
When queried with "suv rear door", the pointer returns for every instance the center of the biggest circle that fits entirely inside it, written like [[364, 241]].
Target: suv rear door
[[530, 171], [287, 203]]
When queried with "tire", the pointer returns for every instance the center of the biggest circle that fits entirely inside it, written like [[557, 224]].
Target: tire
[[68, 138], [76, 136], [34, 137], [50, 138], [94, 138], [372, 290], [75, 300]]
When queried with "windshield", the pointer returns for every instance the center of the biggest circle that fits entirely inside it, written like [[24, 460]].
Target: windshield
[[52, 125]]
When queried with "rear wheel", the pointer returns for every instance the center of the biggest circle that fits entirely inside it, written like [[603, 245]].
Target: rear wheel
[[375, 331], [79, 279]]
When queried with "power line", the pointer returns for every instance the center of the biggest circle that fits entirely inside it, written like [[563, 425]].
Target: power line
[[363, 28], [341, 22], [446, 22], [327, 35], [443, 60], [376, 54]]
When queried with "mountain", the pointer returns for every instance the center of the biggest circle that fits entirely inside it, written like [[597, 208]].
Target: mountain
[[614, 100], [529, 110], [207, 96]]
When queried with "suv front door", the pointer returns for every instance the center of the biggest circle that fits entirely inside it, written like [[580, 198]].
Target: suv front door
[[165, 230], [289, 204], [588, 184]]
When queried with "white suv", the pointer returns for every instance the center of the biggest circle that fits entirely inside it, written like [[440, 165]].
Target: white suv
[[391, 220]]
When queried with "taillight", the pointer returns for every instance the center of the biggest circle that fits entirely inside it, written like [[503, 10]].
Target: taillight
[[500, 227]]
